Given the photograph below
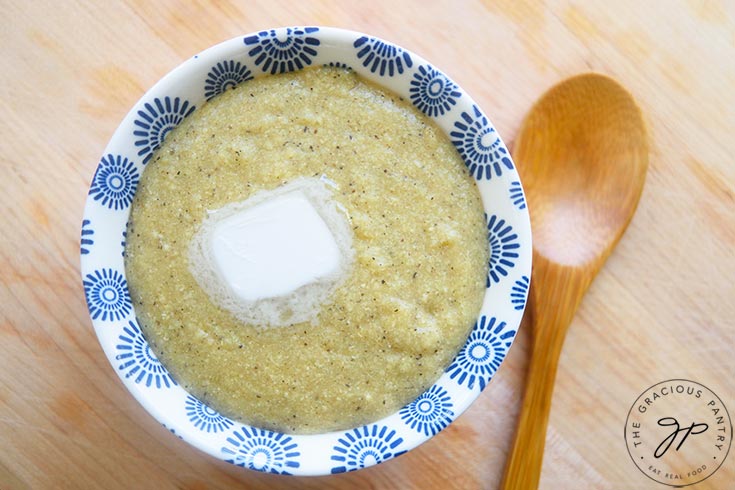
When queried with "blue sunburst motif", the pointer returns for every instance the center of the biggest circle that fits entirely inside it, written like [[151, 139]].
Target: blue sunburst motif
[[122, 242], [504, 247], [172, 430], [107, 295], [115, 181], [482, 354], [225, 75], [432, 92], [337, 64], [365, 446], [429, 413], [86, 242], [204, 418], [156, 120], [519, 293], [291, 49], [382, 57], [480, 146], [516, 195], [262, 450], [138, 361]]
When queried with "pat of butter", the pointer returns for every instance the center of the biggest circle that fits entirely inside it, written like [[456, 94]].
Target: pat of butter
[[274, 248], [275, 258]]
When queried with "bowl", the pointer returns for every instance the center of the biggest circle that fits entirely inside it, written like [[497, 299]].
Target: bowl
[[267, 53]]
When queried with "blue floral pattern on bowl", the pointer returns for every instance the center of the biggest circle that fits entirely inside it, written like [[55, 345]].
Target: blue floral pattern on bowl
[[154, 122], [366, 446], [381, 57], [225, 75], [205, 418], [519, 293], [516, 195], [209, 73], [430, 412], [262, 450], [481, 356], [107, 295], [480, 146], [432, 92], [337, 64], [115, 182], [138, 362], [277, 51], [86, 241], [504, 246], [172, 431]]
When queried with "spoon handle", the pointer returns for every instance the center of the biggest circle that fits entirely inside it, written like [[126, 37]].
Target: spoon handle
[[560, 296]]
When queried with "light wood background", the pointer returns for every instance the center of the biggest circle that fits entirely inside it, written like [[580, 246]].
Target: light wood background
[[664, 306]]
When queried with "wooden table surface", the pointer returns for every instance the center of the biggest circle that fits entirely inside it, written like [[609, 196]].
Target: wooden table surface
[[664, 306]]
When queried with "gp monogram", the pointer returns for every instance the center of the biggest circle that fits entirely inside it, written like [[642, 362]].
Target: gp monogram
[[678, 432]]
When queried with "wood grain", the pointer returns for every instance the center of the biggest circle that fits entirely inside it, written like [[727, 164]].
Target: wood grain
[[662, 307]]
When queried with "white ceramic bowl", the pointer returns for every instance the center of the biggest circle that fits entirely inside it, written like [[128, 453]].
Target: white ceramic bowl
[[176, 96]]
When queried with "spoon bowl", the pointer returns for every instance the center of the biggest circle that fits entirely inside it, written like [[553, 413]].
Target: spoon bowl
[[582, 153], [583, 156]]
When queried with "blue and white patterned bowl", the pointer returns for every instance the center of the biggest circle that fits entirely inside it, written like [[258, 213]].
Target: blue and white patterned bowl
[[179, 94]]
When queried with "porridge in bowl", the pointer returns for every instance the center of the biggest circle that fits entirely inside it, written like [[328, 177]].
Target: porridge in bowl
[[413, 272], [372, 306]]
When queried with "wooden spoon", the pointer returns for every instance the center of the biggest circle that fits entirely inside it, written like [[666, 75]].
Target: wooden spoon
[[582, 154]]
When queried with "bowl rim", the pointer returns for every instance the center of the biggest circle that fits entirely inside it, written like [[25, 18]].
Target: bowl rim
[[103, 241]]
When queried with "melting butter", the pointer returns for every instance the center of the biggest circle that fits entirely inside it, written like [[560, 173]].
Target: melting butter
[[273, 259], [274, 248]]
